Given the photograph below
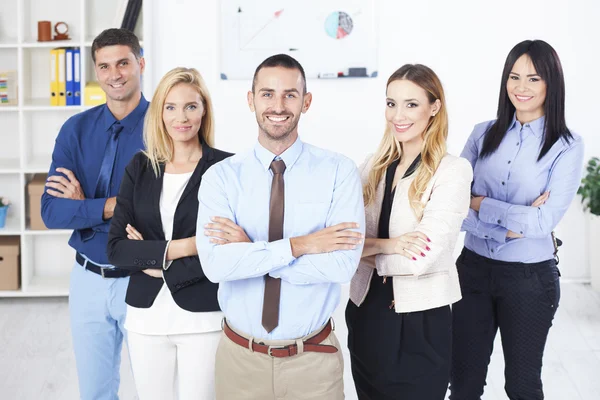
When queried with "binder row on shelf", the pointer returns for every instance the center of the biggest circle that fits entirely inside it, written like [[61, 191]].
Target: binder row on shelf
[[65, 76], [8, 88]]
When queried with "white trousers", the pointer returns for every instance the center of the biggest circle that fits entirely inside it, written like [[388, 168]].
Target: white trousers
[[164, 365]]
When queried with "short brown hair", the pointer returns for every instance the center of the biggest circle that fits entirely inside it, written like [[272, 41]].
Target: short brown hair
[[117, 37]]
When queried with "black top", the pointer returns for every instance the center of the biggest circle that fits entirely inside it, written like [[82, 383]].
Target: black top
[[388, 195], [138, 204]]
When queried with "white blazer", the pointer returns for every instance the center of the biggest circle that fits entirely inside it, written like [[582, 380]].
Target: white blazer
[[430, 281]]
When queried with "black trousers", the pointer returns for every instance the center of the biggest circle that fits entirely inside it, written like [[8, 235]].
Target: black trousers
[[520, 300], [395, 356]]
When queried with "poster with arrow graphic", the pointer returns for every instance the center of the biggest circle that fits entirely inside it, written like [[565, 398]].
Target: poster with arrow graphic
[[330, 38]]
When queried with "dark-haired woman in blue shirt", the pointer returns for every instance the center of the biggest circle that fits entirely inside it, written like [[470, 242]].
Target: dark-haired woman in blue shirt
[[527, 168]]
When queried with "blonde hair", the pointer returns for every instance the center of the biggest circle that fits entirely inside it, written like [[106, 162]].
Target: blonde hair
[[434, 139], [158, 143]]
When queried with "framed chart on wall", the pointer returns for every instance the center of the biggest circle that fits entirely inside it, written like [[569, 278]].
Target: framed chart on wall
[[330, 38]]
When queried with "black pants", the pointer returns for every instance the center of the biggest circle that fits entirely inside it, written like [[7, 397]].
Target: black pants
[[395, 356], [520, 300]]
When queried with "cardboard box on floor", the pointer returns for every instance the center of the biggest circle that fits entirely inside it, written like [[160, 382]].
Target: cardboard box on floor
[[9, 263], [35, 189]]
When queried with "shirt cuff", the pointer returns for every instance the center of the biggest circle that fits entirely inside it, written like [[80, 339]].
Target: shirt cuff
[[166, 264], [281, 251], [493, 211], [470, 223], [497, 234], [94, 209]]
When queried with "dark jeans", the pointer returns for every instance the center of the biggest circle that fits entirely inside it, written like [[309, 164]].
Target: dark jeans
[[520, 300]]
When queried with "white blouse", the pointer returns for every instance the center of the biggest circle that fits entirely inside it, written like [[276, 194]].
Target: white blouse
[[165, 317]]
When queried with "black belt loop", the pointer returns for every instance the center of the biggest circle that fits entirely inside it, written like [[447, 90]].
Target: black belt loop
[[100, 270]]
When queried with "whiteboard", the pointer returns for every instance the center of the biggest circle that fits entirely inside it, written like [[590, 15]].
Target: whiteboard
[[330, 38]]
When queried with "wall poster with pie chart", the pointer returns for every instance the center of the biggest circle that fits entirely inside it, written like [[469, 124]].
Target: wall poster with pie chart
[[330, 38]]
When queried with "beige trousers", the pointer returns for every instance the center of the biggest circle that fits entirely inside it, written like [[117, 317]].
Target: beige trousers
[[241, 374]]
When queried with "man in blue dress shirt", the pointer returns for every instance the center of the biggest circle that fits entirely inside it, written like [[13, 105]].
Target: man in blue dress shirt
[[284, 225], [88, 162]]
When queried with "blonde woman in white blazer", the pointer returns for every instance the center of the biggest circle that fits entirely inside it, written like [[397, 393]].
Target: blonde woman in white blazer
[[416, 197]]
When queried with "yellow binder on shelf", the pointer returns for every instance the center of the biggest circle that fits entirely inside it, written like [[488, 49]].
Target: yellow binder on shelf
[[54, 77], [62, 73]]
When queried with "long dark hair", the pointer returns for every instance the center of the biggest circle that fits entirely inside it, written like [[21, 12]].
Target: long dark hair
[[547, 65]]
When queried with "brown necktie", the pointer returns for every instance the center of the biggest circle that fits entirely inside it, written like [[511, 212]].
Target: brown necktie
[[270, 316]]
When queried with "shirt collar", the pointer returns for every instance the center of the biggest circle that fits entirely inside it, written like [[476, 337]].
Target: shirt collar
[[536, 126], [289, 156], [131, 120]]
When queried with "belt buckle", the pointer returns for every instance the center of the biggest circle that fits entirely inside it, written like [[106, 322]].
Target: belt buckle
[[276, 348], [102, 272]]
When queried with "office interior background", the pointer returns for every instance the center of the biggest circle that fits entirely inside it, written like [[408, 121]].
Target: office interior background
[[465, 42]]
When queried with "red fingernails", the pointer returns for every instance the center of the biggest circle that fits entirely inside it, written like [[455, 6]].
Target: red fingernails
[[427, 247], [422, 254], [429, 240], [414, 259]]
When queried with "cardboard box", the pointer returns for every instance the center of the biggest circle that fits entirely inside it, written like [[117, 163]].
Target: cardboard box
[[35, 189], [94, 95], [9, 263]]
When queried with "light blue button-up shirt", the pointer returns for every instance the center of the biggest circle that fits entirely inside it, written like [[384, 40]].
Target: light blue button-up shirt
[[511, 179], [322, 188]]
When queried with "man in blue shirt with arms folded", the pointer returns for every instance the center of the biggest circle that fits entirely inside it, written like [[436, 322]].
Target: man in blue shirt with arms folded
[[283, 227], [89, 159]]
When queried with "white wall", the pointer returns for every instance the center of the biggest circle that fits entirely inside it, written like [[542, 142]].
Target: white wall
[[464, 41]]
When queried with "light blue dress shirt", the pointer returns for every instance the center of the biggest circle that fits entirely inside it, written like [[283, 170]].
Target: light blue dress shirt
[[322, 189], [511, 179]]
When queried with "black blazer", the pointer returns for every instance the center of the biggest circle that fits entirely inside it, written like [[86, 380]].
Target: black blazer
[[138, 204]]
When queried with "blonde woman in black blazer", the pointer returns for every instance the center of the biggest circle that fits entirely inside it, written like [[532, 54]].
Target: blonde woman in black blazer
[[173, 318]]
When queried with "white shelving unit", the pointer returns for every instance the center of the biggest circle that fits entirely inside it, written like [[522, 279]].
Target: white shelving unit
[[29, 129]]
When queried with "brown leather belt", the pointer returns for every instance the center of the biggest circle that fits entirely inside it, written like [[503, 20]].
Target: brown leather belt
[[311, 344]]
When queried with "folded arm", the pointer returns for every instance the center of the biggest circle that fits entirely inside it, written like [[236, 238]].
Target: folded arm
[[232, 261], [472, 223], [482, 230], [335, 266], [442, 218], [66, 213], [539, 222], [123, 252]]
